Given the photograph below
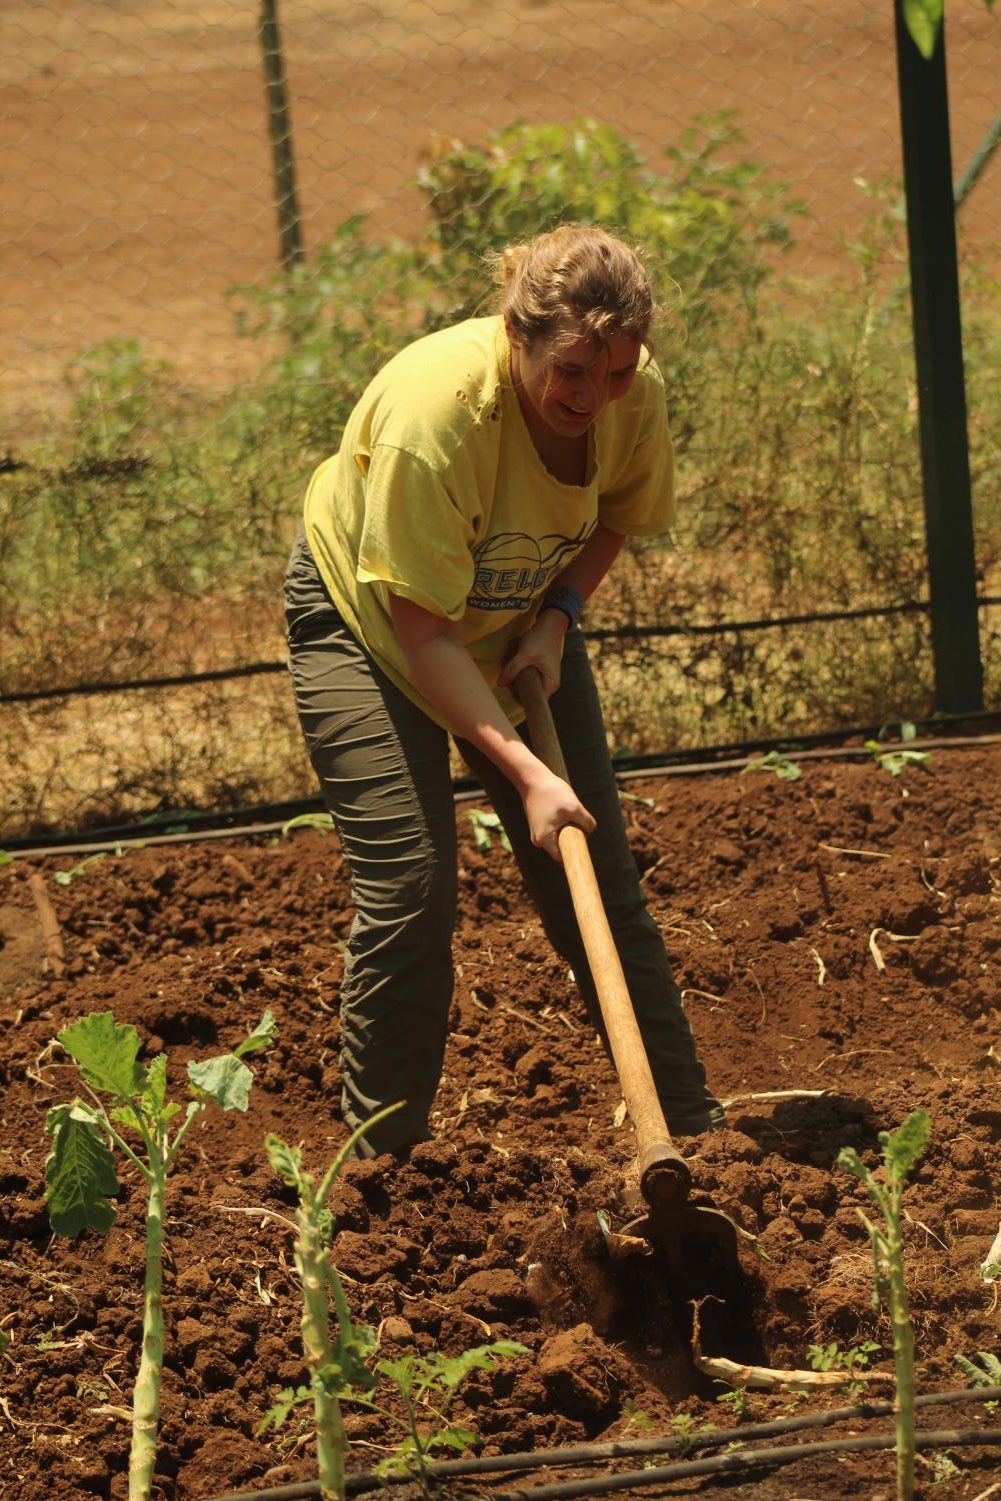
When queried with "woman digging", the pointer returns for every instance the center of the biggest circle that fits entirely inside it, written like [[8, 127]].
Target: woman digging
[[485, 484]]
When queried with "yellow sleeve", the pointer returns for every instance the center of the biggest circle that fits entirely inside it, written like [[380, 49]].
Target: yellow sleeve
[[415, 536], [638, 498]]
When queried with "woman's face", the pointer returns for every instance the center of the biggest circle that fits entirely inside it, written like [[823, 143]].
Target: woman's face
[[565, 386]]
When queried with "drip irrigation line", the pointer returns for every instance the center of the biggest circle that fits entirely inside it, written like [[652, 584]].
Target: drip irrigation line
[[129, 836], [597, 633], [129, 685], [735, 1462], [583, 1454]]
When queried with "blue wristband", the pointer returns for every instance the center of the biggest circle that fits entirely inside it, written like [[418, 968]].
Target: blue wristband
[[563, 597]]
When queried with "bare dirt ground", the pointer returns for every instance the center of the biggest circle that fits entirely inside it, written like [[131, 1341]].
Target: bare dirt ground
[[137, 164], [837, 933]]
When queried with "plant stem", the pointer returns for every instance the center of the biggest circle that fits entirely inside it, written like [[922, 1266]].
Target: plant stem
[[903, 1361], [331, 1440], [146, 1399], [420, 1456]]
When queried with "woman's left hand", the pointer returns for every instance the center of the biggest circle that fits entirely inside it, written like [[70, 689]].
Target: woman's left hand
[[541, 647]]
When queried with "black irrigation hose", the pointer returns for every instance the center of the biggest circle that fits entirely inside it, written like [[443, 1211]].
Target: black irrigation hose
[[583, 1454], [731, 756], [733, 1463], [603, 633]]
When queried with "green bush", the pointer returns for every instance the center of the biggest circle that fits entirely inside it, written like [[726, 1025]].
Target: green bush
[[792, 403]]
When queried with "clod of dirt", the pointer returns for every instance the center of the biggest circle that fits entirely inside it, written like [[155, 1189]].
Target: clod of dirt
[[583, 1376], [494, 1296], [395, 1333]]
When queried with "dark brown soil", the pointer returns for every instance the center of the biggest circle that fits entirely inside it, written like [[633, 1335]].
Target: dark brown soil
[[776, 899]]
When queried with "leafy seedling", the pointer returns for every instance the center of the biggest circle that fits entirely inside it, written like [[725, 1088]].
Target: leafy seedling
[[737, 1399], [901, 1151], [942, 1466], [426, 1385], [895, 758], [336, 1362], [777, 763], [323, 823], [636, 1419], [831, 1357], [81, 1178], [688, 1429], [485, 827]]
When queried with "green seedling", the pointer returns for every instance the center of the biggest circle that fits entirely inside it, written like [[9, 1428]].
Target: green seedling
[[688, 1429], [66, 877], [737, 1399], [636, 1419], [80, 1172], [831, 1357], [777, 763], [901, 1151], [88, 1389], [942, 1466], [633, 797], [485, 827], [894, 758], [426, 1385], [987, 1373], [336, 1363], [6, 858], [323, 823]]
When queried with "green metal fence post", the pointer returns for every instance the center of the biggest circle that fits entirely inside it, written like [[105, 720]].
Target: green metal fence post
[[938, 347]]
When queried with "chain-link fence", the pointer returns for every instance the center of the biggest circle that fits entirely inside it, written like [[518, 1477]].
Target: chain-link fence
[[159, 424]]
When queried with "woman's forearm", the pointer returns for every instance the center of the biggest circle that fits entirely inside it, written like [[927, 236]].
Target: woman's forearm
[[442, 669]]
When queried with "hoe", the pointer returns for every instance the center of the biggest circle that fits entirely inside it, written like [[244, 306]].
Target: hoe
[[692, 1239]]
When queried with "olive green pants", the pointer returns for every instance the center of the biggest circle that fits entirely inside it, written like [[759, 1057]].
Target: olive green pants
[[384, 769]]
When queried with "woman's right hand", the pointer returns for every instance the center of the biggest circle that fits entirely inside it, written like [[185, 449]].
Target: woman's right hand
[[550, 804]]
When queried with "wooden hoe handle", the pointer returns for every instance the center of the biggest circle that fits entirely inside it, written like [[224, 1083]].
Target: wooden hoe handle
[[663, 1171]]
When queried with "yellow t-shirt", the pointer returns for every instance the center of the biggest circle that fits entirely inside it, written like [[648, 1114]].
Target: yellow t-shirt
[[437, 493]]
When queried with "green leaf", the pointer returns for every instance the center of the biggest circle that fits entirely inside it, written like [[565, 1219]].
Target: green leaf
[[79, 1172], [284, 1159], [225, 1080], [127, 1116], [402, 1373], [850, 1162], [923, 19], [902, 1148], [261, 1037], [6, 858], [485, 825], [107, 1054], [776, 762], [283, 1405], [154, 1095], [347, 1370], [322, 822], [444, 1373], [459, 1439], [989, 1375], [4, 1336]]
